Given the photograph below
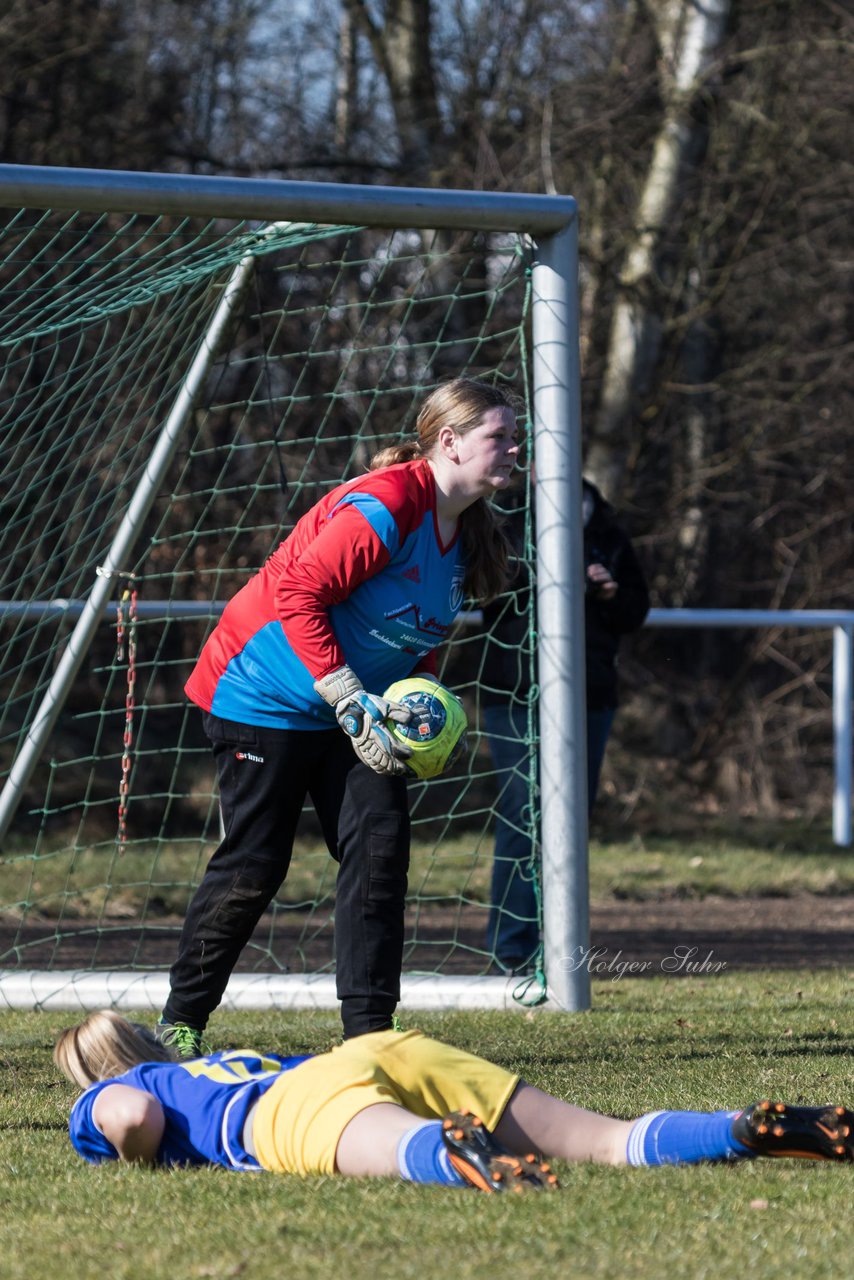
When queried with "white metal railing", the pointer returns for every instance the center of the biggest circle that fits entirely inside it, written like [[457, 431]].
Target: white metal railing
[[840, 621]]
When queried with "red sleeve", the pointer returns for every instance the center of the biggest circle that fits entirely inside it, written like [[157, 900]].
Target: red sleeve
[[344, 554], [330, 557]]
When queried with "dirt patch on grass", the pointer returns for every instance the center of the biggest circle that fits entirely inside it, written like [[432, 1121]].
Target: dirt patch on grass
[[806, 931], [677, 936]]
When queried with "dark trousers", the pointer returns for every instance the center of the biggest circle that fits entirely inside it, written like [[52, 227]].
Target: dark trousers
[[264, 778], [513, 930]]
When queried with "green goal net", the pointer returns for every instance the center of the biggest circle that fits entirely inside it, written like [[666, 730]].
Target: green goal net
[[332, 335]]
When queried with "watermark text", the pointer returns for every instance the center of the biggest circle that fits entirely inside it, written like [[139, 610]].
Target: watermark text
[[601, 963]]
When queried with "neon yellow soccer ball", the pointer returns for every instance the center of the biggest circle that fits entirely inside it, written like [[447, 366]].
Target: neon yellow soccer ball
[[437, 731]]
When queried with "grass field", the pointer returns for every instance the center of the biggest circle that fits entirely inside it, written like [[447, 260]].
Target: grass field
[[743, 859], [707, 1042]]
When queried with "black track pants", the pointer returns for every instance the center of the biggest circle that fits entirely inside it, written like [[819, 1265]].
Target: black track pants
[[264, 777]]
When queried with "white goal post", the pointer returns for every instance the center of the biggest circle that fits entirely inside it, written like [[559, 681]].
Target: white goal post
[[550, 225]]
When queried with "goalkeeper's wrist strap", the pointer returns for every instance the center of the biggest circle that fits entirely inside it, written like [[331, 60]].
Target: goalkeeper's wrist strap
[[338, 684]]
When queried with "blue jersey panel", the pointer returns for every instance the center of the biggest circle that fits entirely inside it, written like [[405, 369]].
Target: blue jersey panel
[[384, 627], [392, 620], [267, 684], [205, 1102], [377, 515]]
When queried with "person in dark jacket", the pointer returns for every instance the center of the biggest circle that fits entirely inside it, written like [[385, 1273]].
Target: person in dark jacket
[[616, 603]]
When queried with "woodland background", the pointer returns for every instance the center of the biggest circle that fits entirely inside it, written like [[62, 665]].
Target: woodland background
[[709, 149]]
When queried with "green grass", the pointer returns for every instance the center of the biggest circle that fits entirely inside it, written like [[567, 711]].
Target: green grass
[[705, 1043], [749, 859], [785, 858]]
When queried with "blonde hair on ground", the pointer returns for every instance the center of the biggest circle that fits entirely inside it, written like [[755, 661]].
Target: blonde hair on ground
[[104, 1045], [461, 404]]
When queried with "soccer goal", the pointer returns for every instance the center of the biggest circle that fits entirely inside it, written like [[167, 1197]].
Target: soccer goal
[[189, 363]]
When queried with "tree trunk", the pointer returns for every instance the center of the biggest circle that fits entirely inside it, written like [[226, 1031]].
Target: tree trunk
[[689, 33], [401, 48], [346, 81]]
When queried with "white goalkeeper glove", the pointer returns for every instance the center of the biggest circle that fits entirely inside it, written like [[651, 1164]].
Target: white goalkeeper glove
[[361, 715]]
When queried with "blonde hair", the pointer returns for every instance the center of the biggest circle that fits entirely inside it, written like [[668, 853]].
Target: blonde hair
[[105, 1045], [461, 404]]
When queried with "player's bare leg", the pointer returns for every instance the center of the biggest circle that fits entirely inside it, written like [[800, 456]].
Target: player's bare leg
[[368, 1146], [532, 1120], [535, 1120], [385, 1140]]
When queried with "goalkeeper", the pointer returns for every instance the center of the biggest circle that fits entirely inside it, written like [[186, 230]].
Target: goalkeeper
[[388, 1104], [357, 597]]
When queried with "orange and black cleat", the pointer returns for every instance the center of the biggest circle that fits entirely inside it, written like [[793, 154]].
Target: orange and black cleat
[[812, 1133], [484, 1163]]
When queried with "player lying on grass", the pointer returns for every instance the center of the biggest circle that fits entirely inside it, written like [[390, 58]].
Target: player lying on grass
[[389, 1103]]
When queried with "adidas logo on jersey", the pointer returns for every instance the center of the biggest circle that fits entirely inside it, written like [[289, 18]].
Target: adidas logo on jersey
[[412, 574], [247, 755]]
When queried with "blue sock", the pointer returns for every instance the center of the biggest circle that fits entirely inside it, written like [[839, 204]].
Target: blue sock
[[684, 1137], [423, 1157]]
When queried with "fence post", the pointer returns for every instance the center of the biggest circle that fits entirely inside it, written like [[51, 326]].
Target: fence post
[[842, 698]]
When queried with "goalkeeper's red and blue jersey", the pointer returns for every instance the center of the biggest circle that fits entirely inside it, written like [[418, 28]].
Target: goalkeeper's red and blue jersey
[[363, 580], [205, 1102]]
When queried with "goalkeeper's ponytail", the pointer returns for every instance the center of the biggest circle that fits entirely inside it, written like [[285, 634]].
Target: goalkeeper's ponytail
[[406, 451]]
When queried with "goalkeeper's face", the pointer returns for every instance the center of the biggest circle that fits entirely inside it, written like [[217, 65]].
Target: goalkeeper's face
[[487, 453]]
